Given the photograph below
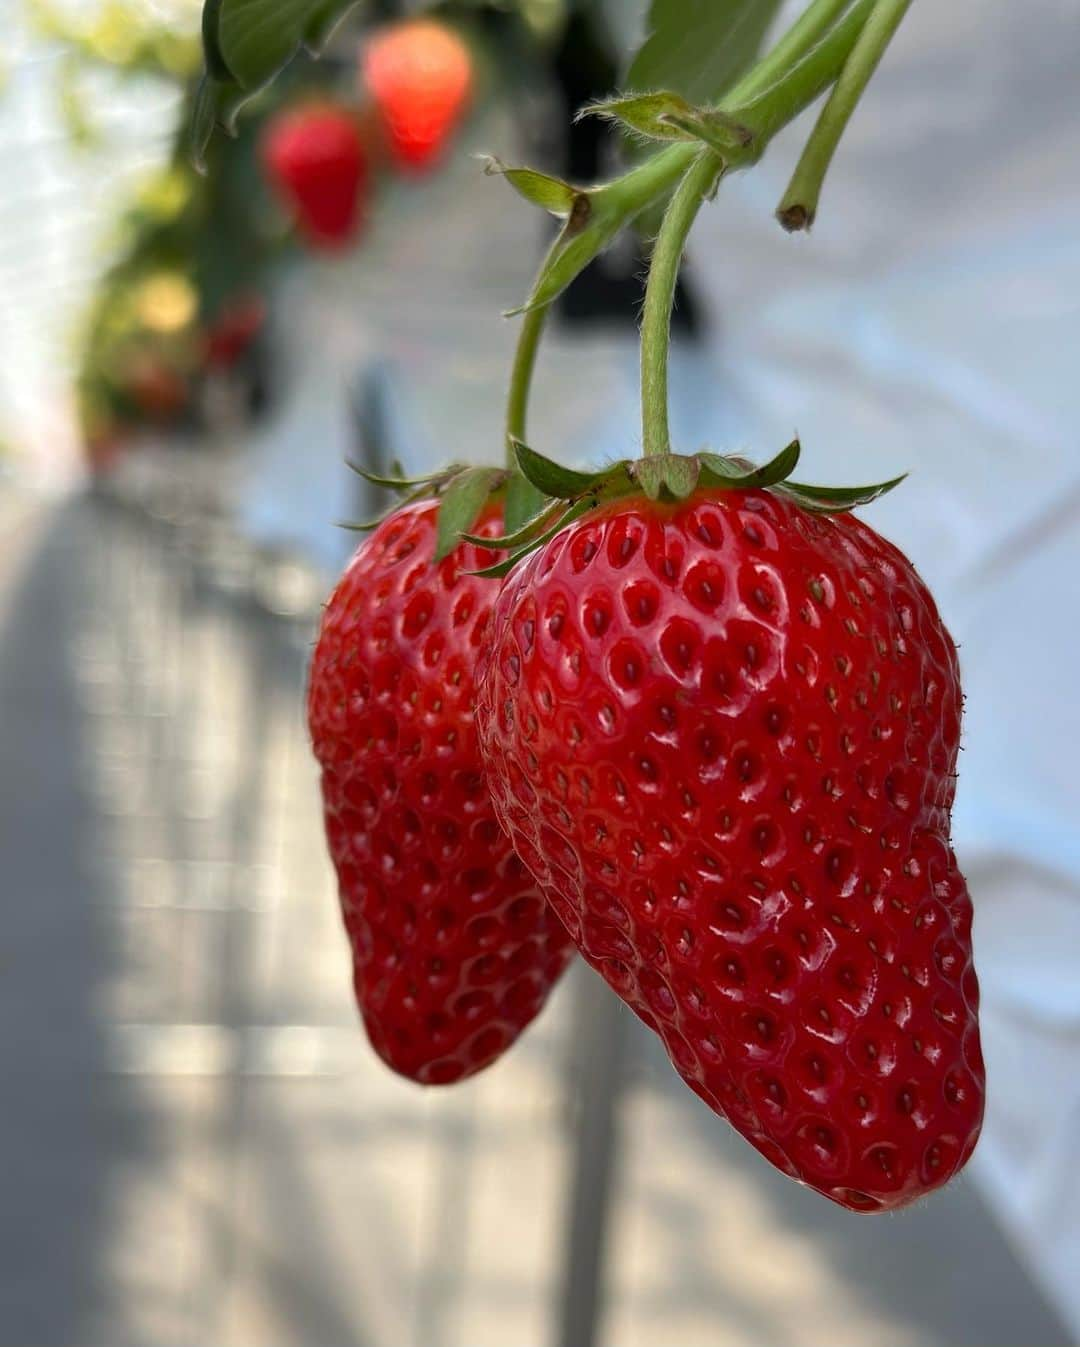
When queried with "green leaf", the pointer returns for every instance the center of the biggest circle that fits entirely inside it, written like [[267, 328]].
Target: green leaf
[[550, 194], [245, 44], [668, 476], [215, 62], [700, 47], [583, 238], [647, 114], [523, 502], [324, 20], [838, 499], [462, 501], [552, 478], [203, 119], [257, 37], [669, 117], [737, 475], [400, 483], [525, 534], [502, 568], [367, 527]]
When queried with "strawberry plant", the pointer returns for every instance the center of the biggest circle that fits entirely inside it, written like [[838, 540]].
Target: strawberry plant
[[716, 715]]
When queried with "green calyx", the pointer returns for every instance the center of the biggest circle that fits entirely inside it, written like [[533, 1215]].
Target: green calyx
[[463, 494], [664, 478]]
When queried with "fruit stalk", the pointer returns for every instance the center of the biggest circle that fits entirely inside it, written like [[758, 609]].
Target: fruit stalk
[[773, 92], [660, 298], [799, 205], [517, 406]]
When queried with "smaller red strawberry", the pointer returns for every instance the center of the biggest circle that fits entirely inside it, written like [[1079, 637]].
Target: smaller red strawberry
[[420, 75], [317, 162], [454, 949], [235, 327], [156, 389]]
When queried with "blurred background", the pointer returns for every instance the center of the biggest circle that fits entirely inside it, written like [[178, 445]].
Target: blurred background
[[196, 1142]]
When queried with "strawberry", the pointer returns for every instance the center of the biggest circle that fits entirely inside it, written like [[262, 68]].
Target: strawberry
[[228, 338], [454, 950], [158, 391], [317, 162], [420, 76], [722, 733]]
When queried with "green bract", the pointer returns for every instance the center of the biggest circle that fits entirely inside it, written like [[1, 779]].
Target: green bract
[[667, 478]]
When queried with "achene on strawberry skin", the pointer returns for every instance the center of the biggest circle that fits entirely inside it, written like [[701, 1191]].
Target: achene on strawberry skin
[[723, 735], [454, 949]]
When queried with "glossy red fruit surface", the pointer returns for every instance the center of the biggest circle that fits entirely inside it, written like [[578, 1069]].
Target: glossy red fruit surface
[[723, 735], [420, 75], [454, 949], [318, 164]]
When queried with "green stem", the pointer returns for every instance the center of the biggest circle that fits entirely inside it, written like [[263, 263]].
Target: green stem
[[517, 407], [660, 297], [802, 37], [800, 202], [798, 69], [777, 90]]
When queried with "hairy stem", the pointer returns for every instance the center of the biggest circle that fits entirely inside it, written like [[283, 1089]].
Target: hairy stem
[[802, 37], [800, 202], [517, 406], [791, 77], [796, 71], [660, 296]]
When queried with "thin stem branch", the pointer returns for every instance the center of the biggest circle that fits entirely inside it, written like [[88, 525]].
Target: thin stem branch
[[780, 91], [660, 297], [517, 406], [798, 68], [800, 202], [803, 35]]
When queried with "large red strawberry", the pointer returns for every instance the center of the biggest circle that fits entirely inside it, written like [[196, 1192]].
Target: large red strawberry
[[454, 949], [420, 75], [722, 733], [317, 162]]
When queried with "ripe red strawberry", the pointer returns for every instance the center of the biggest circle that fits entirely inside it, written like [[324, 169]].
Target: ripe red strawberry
[[229, 336], [454, 949], [722, 734], [420, 75], [317, 162], [157, 390]]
